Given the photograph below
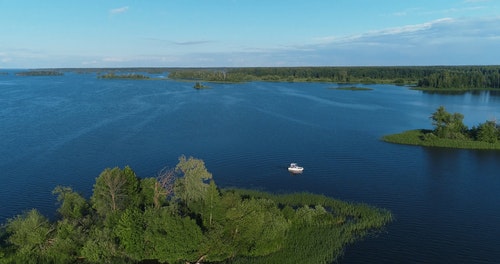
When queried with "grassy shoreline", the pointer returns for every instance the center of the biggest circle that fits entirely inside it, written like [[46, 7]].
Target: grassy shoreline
[[420, 137]]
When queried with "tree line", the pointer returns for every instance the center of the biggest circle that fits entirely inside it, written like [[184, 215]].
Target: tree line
[[39, 73], [436, 77], [181, 216], [451, 126], [129, 76]]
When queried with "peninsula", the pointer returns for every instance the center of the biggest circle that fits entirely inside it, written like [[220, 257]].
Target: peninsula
[[450, 132], [181, 216]]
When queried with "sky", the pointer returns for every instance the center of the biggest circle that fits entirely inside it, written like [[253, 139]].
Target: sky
[[248, 33]]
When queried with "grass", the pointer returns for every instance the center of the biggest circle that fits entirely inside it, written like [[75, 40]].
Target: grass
[[324, 240], [423, 137]]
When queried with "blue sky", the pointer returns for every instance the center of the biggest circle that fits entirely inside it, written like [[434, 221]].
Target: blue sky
[[232, 33]]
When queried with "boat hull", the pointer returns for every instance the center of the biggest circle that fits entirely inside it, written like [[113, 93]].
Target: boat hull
[[296, 170]]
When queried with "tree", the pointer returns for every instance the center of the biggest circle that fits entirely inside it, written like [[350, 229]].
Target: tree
[[29, 234], [448, 125], [100, 246], [130, 232], [488, 132], [156, 190], [66, 243], [254, 227], [192, 186], [73, 205], [115, 190], [171, 238]]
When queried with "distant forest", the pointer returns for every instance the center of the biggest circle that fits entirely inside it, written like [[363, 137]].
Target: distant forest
[[432, 77], [447, 78]]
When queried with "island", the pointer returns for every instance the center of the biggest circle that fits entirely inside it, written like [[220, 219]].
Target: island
[[182, 216], [127, 76], [199, 85], [450, 132], [40, 73]]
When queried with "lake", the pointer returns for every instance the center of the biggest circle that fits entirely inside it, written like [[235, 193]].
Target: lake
[[64, 130]]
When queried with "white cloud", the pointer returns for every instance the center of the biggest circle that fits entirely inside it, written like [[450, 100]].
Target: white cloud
[[119, 10], [372, 35]]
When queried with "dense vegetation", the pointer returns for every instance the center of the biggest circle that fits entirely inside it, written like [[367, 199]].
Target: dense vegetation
[[425, 77], [199, 85], [129, 76], [40, 73], [185, 218], [436, 78], [450, 131]]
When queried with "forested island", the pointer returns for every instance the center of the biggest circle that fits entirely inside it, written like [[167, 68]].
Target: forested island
[[421, 77], [127, 76], [450, 131], [181, 216], [199, 85], [40, 73]]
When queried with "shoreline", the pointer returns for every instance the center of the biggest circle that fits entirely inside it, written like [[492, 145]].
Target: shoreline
[[417, 137]]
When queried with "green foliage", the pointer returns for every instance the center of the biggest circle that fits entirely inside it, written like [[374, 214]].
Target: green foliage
[[40, 73], [130, 224], [66, 243], [450, 132], [100, 246], [424, 77], [130, 232], [255, 227], [318, 233], [29, 235], [199, 85], [211, 209], [171, 238], [192, 186], [426, 138], [487, 132], [462, 77], [448, 125], [73, 205], [129, 76], [115, 190]]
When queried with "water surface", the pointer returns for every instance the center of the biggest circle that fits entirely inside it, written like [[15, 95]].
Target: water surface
[[64, 130]]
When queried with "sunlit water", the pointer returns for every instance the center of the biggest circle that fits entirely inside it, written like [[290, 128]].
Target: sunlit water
[[65, 130]]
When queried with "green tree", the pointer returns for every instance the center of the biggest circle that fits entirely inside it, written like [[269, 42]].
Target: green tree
[[73, 205], [488, 132], [115, 190], [155, 191], [447, 125], [212, 210], [66, 243], [193, 185], [171, 238], [253, 227], [130, 232], [100, 246], [29, 234]]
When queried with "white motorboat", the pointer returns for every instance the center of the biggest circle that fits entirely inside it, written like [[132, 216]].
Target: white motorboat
[[294, 168]]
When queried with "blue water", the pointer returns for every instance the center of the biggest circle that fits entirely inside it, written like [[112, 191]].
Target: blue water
[[64, 130]]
